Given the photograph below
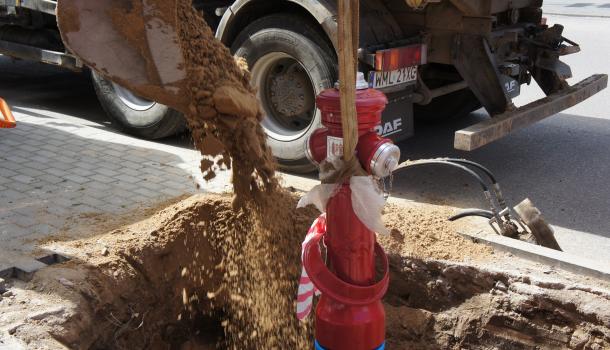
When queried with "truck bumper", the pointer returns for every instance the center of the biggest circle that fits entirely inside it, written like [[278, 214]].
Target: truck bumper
[[26, 52], [487, 131]]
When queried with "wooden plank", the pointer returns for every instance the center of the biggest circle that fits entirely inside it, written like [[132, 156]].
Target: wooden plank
[[492, 129], [348, 23]]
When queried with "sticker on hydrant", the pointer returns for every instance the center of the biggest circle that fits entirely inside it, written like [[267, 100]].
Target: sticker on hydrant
[[334, 146]]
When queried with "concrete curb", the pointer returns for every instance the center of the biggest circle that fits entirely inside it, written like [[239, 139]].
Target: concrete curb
[[543, 255]]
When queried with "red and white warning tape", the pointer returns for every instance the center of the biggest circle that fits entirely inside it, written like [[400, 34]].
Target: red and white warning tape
[[307, 290]]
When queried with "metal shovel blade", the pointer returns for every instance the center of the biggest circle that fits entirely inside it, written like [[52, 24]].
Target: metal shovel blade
[[540, 229], [134, 43]]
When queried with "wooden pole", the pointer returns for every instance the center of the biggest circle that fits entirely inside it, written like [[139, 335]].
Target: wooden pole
[[349, 31]]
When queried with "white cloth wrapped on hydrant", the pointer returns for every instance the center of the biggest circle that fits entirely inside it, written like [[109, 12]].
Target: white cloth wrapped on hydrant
[[367, 200]]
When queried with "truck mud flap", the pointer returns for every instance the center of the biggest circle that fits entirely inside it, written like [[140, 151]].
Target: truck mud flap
[[487, 131], [397, 121]]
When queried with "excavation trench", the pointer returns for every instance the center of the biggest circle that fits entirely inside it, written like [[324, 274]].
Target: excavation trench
[[195, 276]]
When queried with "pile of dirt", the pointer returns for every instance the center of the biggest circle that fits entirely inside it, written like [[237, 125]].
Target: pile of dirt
[[197, 273], [259, 234], [197, 276], [424, 232]]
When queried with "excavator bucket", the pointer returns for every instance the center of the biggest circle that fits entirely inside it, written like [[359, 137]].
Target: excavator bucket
[[134, 43]]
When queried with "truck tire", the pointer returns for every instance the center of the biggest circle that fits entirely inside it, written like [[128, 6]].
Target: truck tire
[[291, 62], [452, 106], [136, 116]]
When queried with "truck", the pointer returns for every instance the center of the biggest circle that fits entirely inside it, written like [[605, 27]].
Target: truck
[[434, 59]]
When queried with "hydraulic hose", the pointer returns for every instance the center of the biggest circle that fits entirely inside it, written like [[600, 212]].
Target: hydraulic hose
[[420, 163], [463, 168], [496, 186], [474, 164], [472, 212]]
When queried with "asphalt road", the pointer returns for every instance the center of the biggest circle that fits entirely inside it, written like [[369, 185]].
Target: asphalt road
[[588, 8], [561, 163]]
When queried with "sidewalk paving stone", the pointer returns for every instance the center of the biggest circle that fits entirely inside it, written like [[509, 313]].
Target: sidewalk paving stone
[[79, 179], [16, 159], [59, 170], [5, 172], [30, 172], [12, 165], [23, 179]]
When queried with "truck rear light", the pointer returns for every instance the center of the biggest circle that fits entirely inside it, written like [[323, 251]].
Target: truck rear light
[[401, 57]]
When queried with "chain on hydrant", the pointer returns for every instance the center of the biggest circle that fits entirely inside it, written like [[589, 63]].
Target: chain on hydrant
[[349, 314]]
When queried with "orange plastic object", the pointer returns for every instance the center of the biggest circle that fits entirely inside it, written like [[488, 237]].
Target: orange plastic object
[[8, 120]]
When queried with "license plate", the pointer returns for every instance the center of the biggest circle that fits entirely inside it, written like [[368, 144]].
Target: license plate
[[383, 79]]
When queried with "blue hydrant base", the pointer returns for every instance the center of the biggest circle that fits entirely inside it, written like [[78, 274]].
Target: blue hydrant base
[[319, 347]]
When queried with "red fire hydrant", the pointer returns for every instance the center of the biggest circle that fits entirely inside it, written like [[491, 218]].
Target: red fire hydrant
[[349, 314]]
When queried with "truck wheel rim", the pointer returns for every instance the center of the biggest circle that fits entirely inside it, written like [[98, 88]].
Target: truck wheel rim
[[131, 100], [287, 95]]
